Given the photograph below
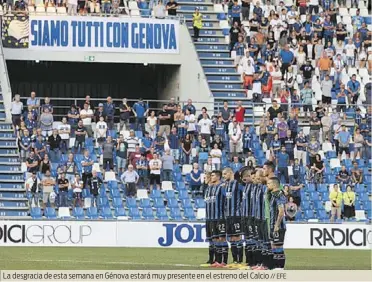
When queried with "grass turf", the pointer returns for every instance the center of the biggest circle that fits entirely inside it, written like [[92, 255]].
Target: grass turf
[[48, 258]]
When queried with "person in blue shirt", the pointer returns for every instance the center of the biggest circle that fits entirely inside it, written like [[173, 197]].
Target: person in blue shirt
[[358, 118], [236, 165], [293, 125], [147, 142], [30, 123], [109, 112], [275, 146], [357, 20], [353, 86], [363, 30], [247, 140], [174, 144], [140, 110], [282, 162], [142, 168], [87, 167], [239, 48], [25, 144], [40, 147], [189, 106], [73, 118], [257, 10], [287, 57], [328, 30], [195, 181], [343, 142], [236, 9], [341, 99], [159, 143]]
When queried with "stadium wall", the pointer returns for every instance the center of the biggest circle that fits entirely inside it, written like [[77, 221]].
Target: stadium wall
[[169, 234], [187, 82]]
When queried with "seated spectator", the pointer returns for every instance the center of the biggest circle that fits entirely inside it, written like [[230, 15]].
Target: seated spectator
[[356, 174], [48, 183], [290, 209], [343, 176], [335, 197], [77, 188], [349, 203]]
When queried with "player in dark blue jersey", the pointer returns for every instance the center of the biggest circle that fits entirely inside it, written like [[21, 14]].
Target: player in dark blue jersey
[[277, 222], [217, 215], [234, 195]]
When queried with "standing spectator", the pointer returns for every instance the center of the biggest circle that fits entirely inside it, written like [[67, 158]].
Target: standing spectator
[[54, 142], [159, 143], [315, 125], [44, 165], [33, 102], [239, 112], [134, 156], [151, 124], [130, 178], [125, 111], [327, 86], [289, 144], [72, 7], [339, 67], [86, 115], [189, 106], [301, 144], [32, 163], [142, 166], [341, 99], [356, 174], [186, 146], [16, 109], [282, 162], [326, 127], [108, 154], [337, 128], [307, 98], [101, 130], [39, 147], [234, 34], [290, 209], [197, 22], [236, 10], [87, 167], [216, 155], [73, 118], [349, 202], [172, 7], [205, 125], [167, 165], [274, 110], [324, 65], [317, 170], [174, 144], [293, 125], [350, 52], [46, 122], [140, 110], [313, 148], [336, 199], [80, 133], [235, 135], [159, 10], [286, 56], [64, 130], [195, 180], [155, 168], [32, 187], [343, 142], [30, 123], [95, 183], [245, 9], [358, 144], [165, 121], [94, 7], [77, 187], [70, 168], [63, 185], [47, 105], [48, 183], [121, 154], [226, 115], [109, 112], [99, 113], [295, 187], [353, 86], [25, 144], [87, 101], [343, 176]]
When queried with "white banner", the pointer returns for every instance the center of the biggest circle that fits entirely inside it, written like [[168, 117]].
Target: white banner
[[169, 234], [96, 34]]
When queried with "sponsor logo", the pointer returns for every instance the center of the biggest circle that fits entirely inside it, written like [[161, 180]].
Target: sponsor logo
[[44, 234], [182, 233], [335, 237]]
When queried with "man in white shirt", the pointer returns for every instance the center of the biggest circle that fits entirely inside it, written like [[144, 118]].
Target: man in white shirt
[[205, 125], [64, 130], [350, 53], [235, 135], [132, 141], [101, 130], [130, 179], [86, 115], [155, 168], [48, 187], [292, 15], [339, 66]]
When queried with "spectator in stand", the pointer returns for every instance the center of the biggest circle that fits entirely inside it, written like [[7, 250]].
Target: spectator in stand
[[239, 112], [324, 65], [350, 52], [151, 124], [236, 10], [121, 154], [77, 187], [343, 176], [205, 125], [336, 200], [80, 133], [25, 145], [286, 56], [341, 99], [216, 155], [63, 185], [125, 111], [203, 111], [313, 148], [94, 7], [72, 7], [48, 183], [274, 110], [69, 168], [46, 122], [39, 147], [174, 144], [165, 121], [16, 109], [30, 123], [307, 98], [172, 7], [234, 34], [159, 143], [134, 156], [64, 130], [235, 135], [356, 174], [140, 111], [301, 144], [130, 179], [289, 144], [327, 86], [186, 145], [239, 48], [87, 167], [159, 10], [44, 165], [32, 186], [33, 102], [86, 115], [99, 113], [353, 86], [245, 9], [282, 162], [358, 144], [47, 105], [291, 209], [343, 142], [195, 180], [87, 101], [108, 154], [167, 166], [142, 166], [95, 183], [315, 125], [73, 118], [189, 106], [317, 170], [54, 142], [326, 122], [32, 163], [155, 168], [109, 112], [349, 202], [101, 130], [197, 20]]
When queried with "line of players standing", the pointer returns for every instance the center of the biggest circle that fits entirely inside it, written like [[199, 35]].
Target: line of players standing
[[245, 211]]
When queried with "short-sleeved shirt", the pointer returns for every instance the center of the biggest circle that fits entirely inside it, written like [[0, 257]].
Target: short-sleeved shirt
[[80, 137], [172, 12]]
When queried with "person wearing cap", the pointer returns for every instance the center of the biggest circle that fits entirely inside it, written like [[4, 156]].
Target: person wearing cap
[[343, 142]]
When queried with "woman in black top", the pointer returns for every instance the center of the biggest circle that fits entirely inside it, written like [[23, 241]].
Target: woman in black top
[[45, 164], [186, 148], [341, 32], [318, 169]]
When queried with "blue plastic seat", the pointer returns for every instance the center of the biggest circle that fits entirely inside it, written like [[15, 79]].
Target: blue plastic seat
[[115, 193], [188, 178], [199, 203], [361, 163], [318, 205], [161, 214], [155, 194], [172, 203], [92, 213], [120, 211], [112, 184], [169, 194], [50, 213], [305, 205], [102, 191], [322, 214], [186, 203], [86, 193], [134, 213], [117, 202], [106, 213], [131, 203], [78, 213], [176, 214], [299, 216], [158, 203], [189, 213], [363, 197], [325, 196], [348, 163], [331, 178], [36, 213], [145, 203], [331, 154], [180, 185], [103, 202], [178, 177], [322, 188], [148, 214], [314, 196], [310, 187], [183, 195], [309, 214]]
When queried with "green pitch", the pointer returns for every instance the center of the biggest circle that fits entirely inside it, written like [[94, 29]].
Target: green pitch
[[45, 258]]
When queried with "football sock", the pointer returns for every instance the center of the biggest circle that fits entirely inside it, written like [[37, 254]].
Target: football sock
[[257, 253], [239, 246], [225, 252], [211, 252], [279, 258], [234, 251], [218, 252], [264, 255], [252, 258]]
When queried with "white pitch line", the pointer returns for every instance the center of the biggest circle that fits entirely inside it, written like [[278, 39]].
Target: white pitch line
[[103, 262]]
